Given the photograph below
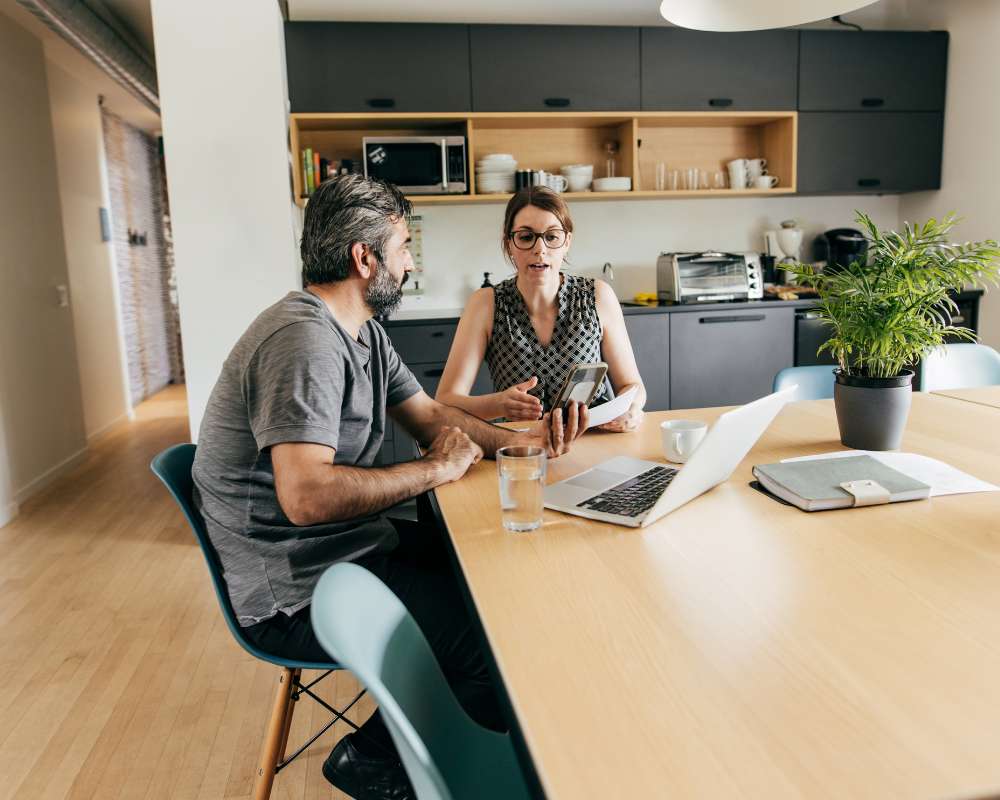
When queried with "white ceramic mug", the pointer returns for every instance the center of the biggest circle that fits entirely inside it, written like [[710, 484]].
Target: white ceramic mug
[[738, 173], [755, 168], [681, 438], [558, 183], [766, 181]]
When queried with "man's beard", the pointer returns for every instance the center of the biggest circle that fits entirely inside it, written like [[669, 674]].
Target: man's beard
[[383, 294]]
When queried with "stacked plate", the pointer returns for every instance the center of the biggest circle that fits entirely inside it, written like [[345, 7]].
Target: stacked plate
[[495, 174]]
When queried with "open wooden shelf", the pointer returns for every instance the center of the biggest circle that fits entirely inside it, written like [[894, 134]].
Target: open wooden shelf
[[681, 140]]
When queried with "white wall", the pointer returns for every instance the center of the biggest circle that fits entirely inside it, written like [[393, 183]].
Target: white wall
[[970, 183], [223, 99], [76, 122], [462, 242], [39, 381]]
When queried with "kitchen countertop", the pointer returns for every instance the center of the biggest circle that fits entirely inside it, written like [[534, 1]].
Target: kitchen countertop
[[448, 315]]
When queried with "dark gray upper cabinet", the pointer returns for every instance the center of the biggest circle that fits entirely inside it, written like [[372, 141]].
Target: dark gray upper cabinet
[[649, 335], [872, 71], [724, 358], [554, 68], [361, 66], [856, 152], [685, 70]]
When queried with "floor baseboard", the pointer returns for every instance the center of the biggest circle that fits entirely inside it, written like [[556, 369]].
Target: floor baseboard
[[43, 480], [7, 513]]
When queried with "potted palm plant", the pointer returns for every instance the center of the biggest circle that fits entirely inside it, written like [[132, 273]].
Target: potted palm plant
[[888, 311]]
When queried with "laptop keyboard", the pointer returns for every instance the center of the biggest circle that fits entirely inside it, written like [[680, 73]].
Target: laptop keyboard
[[633, 497]]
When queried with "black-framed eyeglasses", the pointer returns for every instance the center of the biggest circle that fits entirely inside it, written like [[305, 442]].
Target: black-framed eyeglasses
[[525, 239]]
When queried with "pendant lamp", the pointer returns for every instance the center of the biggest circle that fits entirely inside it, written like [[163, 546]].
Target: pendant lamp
[[752, 15]]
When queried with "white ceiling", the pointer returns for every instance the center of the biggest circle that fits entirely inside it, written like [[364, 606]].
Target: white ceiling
[[902, 14]]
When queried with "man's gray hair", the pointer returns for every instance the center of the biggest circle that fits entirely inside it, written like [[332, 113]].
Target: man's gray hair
[[342, 211]]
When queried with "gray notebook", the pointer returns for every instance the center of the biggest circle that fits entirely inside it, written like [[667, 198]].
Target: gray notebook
[[814, 485]]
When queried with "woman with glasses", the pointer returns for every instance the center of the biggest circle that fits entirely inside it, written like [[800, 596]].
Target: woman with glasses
[[535, 326]]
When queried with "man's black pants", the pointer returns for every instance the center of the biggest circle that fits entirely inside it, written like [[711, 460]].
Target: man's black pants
[[419, 574]]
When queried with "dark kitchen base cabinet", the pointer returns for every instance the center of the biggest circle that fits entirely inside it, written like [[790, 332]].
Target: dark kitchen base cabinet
[[649, 335], [724, 358]]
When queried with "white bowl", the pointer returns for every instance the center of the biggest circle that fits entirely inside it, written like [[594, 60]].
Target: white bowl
[[577, 183], [506, 169], [612, 184], [577, 169], [496, 157]]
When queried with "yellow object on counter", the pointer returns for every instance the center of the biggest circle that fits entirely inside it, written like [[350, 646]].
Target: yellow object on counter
[[646, 297]]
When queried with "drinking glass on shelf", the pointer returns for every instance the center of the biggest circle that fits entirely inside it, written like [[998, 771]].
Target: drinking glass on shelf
[[673, 180], [718, 179], [521, 470], [661, 176], [692, 178]]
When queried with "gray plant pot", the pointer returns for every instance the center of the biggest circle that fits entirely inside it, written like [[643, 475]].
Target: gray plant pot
[[872, 412]]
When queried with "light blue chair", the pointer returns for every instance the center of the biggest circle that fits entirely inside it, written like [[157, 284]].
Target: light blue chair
[[447, 756], [960, 366], [173, 467], [815, 383]]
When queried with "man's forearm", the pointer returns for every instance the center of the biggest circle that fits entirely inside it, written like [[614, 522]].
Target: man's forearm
[[345, 492], [489, 437]]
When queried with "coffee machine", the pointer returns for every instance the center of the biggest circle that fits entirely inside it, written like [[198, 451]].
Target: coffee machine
[[840, 246]]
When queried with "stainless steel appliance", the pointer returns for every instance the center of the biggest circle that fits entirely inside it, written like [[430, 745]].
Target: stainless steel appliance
[[708, 277], [418, 164]]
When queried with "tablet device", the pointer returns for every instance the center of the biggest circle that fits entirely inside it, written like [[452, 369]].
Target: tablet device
[[582, 382]]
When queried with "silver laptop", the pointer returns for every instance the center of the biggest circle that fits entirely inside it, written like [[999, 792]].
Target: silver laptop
[[633, 492]]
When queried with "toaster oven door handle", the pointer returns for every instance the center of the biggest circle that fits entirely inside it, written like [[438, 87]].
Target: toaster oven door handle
[[444, 165], [732, 318]]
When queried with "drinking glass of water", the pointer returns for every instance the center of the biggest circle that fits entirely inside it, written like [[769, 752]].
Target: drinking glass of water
[[522, 478]]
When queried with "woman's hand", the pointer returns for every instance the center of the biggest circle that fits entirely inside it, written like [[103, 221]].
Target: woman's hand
[[628, 421], [515, 403], [554, 435]]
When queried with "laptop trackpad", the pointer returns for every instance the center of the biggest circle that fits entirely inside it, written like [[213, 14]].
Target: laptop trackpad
[[597, 479]]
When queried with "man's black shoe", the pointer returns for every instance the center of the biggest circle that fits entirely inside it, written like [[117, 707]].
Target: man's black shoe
[[366, 778]]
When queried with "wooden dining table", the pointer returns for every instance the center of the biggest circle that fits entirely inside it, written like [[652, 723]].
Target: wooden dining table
[[739, 647], [984, 395]]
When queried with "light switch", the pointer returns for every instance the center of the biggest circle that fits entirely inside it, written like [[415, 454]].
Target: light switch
[[62, 295]]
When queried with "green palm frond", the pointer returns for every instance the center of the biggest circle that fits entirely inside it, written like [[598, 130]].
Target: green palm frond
[[888, 311]]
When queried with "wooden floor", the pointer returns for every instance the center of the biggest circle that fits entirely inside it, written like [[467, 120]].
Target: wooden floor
[[120, 678]]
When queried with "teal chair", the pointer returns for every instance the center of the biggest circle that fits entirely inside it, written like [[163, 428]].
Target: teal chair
[[173, 467], [960, 366], [362, 624], [815, 383]]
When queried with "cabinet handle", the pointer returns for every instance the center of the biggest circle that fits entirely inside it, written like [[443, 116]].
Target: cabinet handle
[[381, 102], [437, 334], [872, 102], [720, 102], [732, 318], [868, 182], [557, 102], [958, 319], [435, 372]]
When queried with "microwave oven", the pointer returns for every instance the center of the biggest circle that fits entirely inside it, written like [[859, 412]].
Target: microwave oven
[[418, 164], [708, 277]]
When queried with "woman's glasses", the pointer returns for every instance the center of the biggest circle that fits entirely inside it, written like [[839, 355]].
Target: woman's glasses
[[525, 239]]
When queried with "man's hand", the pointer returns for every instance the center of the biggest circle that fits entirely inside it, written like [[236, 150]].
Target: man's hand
[[628, 421], [556, 437], [453, 452], [515, 403]]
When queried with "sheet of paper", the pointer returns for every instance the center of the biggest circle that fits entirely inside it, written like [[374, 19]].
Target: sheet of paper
[[613, 409], [942, 478]]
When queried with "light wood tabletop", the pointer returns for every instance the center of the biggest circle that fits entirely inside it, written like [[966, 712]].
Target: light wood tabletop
[[742, 648], [984, 395]]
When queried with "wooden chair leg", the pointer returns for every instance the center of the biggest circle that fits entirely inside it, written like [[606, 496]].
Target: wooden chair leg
[[296, 675], [273, 740]]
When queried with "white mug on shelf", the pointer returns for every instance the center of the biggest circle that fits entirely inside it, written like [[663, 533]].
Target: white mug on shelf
[[755, 168], [738, 173], [681, 438], [557, 183], [765, 181]]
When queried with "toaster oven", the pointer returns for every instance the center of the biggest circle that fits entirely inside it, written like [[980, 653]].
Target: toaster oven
[[708, 277]]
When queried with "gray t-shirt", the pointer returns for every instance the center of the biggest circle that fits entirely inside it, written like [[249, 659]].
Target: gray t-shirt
[[295, 376]]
